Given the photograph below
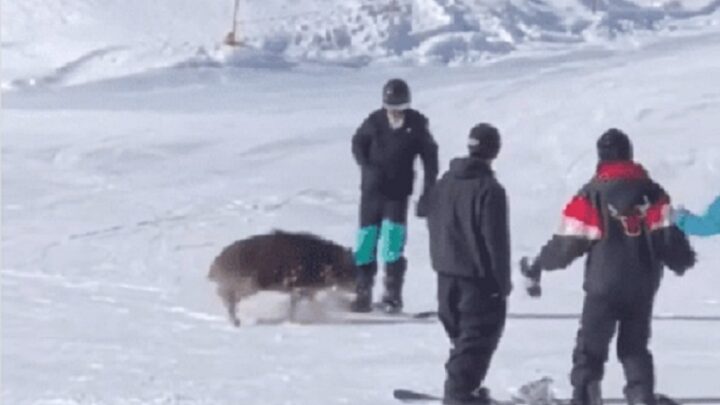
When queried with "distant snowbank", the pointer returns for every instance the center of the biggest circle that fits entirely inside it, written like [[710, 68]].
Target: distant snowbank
[[66, 42]]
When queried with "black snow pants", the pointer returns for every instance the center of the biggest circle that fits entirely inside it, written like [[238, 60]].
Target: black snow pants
[[631, 317], [473, 313]]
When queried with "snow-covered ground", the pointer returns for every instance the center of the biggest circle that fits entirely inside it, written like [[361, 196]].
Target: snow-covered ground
[[130, 158], [64, 42]]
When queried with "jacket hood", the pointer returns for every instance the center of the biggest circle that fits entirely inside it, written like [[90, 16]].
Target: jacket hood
[[622, 170], [469, 168]]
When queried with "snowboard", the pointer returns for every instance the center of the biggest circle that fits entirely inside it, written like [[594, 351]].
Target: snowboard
[[380, 317], [415, 397], [375, 317], [381, 309], [430, 314], [540, 392]]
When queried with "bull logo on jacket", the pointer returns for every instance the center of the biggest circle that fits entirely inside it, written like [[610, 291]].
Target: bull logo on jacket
[[581, 218], [633, 221]]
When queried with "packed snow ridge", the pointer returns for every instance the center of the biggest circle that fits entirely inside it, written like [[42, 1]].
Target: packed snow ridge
[[65, 42]]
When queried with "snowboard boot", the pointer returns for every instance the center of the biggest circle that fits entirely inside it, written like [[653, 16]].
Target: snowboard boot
[[392, 302], [480, 397], [363, 288], [588, 394], [483, 395], [638, 395]]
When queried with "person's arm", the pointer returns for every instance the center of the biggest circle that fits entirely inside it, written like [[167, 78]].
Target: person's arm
[[669, 244], [429, 158], [705, 225], [361, 143], [581, 226], [495, 227]]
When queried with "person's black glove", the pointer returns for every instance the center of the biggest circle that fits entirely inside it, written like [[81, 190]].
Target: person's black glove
[[421, 208], [532, 273], [680, 270]]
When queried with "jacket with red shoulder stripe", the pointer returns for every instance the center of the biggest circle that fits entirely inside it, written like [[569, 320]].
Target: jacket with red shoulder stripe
[[621, 220]]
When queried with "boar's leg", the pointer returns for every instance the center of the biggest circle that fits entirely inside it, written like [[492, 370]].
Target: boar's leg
[[230, 300], [296, 296]]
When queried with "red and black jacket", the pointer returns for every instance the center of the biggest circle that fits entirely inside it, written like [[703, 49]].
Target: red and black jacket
[[621, 220]]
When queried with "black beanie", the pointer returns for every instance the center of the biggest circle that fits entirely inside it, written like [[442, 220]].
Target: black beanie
[[614, 145], [484, 141]]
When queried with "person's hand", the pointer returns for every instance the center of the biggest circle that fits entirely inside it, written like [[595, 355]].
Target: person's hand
[[533, 288], [678, 213], [421, 208], [532, 273], [530, 270]]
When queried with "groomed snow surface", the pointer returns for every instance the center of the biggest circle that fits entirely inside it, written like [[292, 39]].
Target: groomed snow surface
[[135, 147]]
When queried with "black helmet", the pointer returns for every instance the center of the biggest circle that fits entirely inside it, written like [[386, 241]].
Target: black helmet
[[396, 94], [614, 145]]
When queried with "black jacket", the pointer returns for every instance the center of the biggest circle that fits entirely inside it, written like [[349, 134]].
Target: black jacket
[[621, 220], [468, 225], [386, 156]]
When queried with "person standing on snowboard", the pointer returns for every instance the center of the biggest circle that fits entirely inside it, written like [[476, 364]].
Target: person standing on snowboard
[[621, 221], [385, 148], [705, 225], [470, 251]]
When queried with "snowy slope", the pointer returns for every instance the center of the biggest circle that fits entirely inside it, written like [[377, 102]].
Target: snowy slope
[[63, 42], [118, 193]]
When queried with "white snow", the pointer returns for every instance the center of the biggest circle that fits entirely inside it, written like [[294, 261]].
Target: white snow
[[135, 147], [63, 42]]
